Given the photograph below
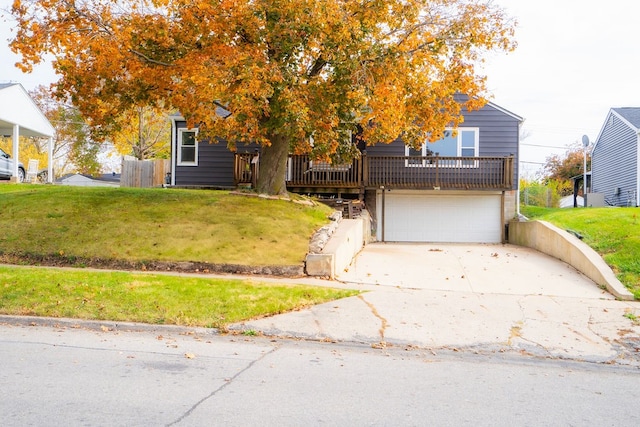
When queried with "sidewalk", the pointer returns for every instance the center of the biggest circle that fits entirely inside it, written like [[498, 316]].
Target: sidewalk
[[482, 298]]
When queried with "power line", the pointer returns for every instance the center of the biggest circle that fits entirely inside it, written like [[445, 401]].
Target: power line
[[532, 163], [544, 146]]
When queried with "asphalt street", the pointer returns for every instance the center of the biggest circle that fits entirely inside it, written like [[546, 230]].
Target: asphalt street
[[72, 376]]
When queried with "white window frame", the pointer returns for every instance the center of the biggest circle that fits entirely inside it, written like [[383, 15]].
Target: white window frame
[[179, 147], [459, 148]]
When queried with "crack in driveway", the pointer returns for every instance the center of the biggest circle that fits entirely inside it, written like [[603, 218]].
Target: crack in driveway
[[383, 321]]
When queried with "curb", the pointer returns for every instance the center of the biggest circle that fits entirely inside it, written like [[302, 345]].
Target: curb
[[103, 325]]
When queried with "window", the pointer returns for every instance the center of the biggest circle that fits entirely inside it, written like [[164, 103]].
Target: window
[[187, 147], [463, 144]]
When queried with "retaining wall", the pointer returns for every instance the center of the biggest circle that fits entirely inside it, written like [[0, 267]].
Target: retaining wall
[[553, 241], [348, 239]]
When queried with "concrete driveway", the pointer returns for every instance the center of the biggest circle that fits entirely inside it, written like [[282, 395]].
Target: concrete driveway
[[478, 268], [479, 297]]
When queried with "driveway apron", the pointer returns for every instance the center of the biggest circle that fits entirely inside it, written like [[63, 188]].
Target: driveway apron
[[479, 297], [479, 268]]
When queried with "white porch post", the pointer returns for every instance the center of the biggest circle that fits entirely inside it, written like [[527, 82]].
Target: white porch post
[[15, 150], [50, 162]]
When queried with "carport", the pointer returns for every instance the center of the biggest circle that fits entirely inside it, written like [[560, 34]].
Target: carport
[[19, 115]]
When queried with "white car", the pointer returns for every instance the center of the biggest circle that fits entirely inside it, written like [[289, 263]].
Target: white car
[[6, 167]]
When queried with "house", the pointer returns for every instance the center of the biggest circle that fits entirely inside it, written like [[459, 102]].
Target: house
[[615, 158], [80, 180], [201, 164], [463, 188], [20, 116]]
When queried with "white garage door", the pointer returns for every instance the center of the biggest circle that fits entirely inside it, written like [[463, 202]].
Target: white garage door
[[416, 217]]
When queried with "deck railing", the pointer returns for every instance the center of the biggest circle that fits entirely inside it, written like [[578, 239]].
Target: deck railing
[[305, 172], [409, 172], [245, 169], [434, 172]]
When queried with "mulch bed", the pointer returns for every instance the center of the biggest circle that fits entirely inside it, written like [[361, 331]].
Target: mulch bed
[[164, 266]]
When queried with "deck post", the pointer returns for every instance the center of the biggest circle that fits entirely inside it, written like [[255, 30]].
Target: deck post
[[382, 213], [364, 172]]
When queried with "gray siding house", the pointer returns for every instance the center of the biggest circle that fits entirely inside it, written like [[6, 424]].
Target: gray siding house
[[615, 158], [463, 188]]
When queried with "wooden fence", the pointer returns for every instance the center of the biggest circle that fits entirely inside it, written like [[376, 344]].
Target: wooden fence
[[144, 173]]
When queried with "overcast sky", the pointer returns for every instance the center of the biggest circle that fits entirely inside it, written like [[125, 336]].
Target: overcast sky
[[575, 60]]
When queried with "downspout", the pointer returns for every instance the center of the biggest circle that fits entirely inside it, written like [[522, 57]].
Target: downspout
[[516, 165], [172, 158], [637, 169], [502, 221], [382, 213]]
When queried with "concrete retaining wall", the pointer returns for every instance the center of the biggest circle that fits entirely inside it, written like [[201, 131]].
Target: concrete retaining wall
[[553, 241], [348, 239]]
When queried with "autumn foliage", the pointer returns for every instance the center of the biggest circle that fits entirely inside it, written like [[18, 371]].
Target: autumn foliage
[[560, 169], [287, 70], [143, 133]]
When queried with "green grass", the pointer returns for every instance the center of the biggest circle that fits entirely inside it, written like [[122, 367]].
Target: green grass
[[612, 232], [137, 225], [155, 224], [150, 298]]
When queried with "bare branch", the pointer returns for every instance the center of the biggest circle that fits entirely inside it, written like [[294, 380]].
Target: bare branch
[[150, 60], [318, 65]]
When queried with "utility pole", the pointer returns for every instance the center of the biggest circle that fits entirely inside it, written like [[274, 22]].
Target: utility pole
[[585, 144]]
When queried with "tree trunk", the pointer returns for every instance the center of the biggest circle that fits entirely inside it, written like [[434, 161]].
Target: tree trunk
[[273, 167]]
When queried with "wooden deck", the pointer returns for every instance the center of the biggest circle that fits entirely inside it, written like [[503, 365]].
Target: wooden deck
[[444, 173], [406, 172]]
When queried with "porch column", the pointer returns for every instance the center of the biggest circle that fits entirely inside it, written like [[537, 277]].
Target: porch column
[[15, 150], [50, 162]]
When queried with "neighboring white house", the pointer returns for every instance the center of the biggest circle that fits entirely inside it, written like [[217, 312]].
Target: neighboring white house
[[19, 115], [567, 202], [79, 180]]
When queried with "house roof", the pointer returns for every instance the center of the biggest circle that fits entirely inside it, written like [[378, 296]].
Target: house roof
[[224, 113], [505, 111], [221, 112], [17, 108], [628, 115]]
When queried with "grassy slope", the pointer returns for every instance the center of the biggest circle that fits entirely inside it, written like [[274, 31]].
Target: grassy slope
[[612, 232], [155, 224]]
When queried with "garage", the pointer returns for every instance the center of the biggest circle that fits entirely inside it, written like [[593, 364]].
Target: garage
[[455, 217]]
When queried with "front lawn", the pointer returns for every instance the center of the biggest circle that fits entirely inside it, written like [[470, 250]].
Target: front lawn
[[110, 225], [155, 225], [150, 298]]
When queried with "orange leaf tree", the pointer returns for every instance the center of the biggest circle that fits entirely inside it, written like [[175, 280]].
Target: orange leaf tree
[[289, 71], [561, 168]]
